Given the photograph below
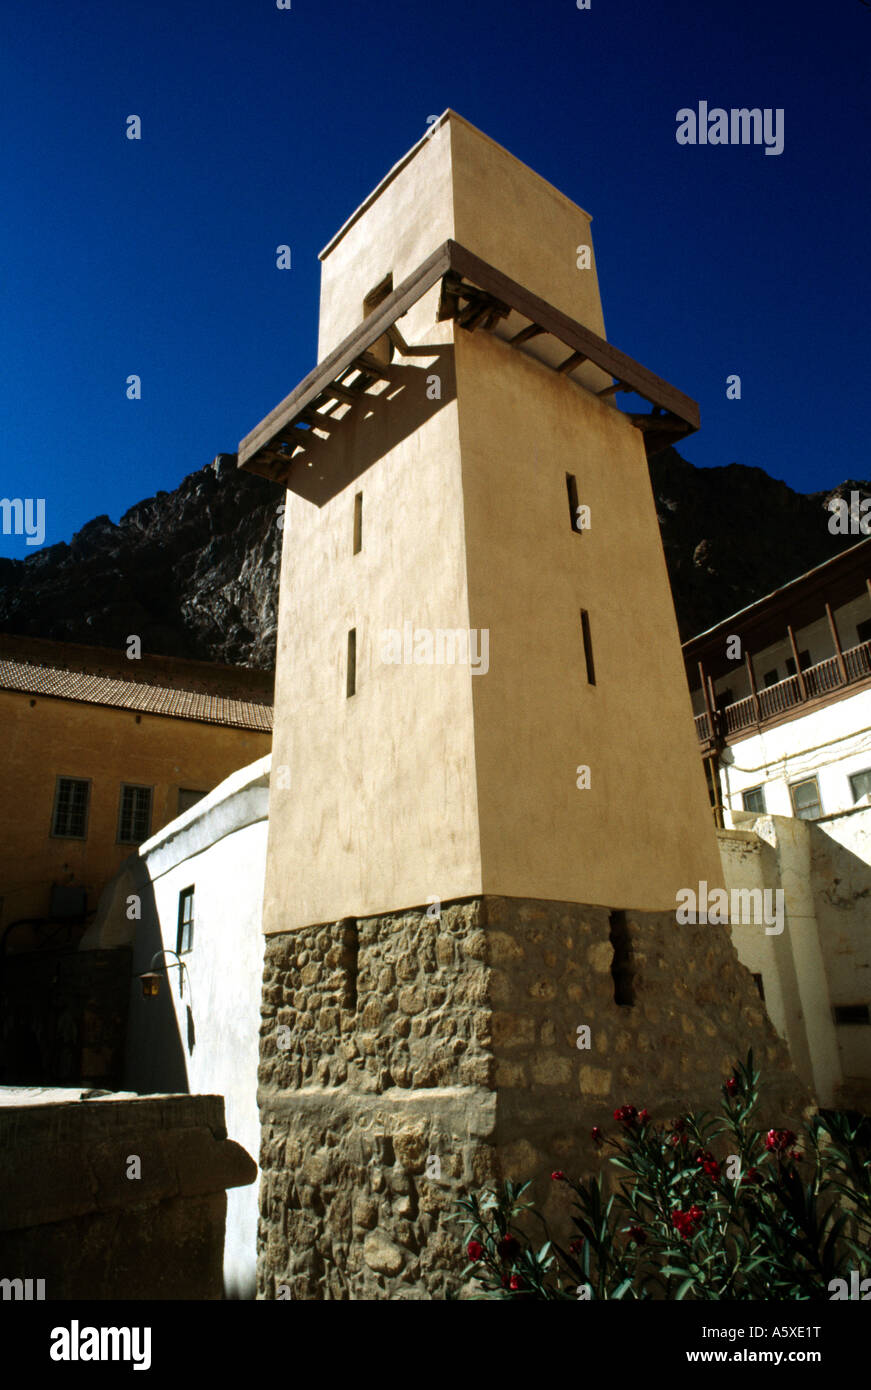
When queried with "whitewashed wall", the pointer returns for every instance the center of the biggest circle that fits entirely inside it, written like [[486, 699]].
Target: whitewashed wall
[[830, 743], [212, 1028]]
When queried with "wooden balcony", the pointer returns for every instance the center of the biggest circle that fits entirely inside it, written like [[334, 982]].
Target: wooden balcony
[[787, 699]]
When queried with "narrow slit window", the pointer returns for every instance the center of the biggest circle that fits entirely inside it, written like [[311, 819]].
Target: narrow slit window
[[378, 295], [352, 663], [588, 647], [622, 965], [572, 489], [358, 523]]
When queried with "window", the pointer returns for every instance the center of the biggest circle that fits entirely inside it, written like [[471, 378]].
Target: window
[[760, 988], [806, 799], [378, 295], [572, 489], [185, 936], [134, 815], [358, 523], [860, 783], [804, 661], [588, 647], [351, 686], [754, 799], [863, 631], [724, 698], [70, 815], [187, 798], [851, 1013], [770, 677]]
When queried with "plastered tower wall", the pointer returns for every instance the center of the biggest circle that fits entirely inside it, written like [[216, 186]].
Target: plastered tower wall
[[537, 718], [431, 782], [410, 1052]]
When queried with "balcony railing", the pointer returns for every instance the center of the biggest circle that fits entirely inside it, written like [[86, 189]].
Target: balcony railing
[[778, 699]]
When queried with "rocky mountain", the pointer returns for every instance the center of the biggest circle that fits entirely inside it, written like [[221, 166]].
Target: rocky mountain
[[194, 572]]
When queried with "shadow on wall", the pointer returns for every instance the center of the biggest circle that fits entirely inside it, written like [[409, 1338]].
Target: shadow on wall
[[154, 1057], [379, 422], [842, 901]]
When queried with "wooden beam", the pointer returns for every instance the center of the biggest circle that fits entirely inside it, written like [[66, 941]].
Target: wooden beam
[[752, 679], [365, 362], [571, 362], [532, 330], [364, 335], [611, 390], [340, 393], [645, 383], [708, 706], [798, 671], [452, 260], [833, 628]]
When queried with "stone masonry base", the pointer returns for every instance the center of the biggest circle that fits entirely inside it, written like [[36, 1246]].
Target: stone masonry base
[[407, 1058]]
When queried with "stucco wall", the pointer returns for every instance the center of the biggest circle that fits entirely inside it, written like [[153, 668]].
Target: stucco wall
[[206, 1038], [522, 428], [822, 959]]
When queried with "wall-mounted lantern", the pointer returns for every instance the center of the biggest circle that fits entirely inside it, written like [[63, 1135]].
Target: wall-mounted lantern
[[152, 978]]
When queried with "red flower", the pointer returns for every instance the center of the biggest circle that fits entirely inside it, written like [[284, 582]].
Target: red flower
[[558, 1176], [597, 1134], [731, 1087], [776, 1140], [752, 1175], [474, 1250], [677, 1139], [516, 1282], [638, 1235], [576, 1246], [708, 1163], [685, 1222], [509, 1247], [644, 1117], [679, 1125], [627, 1115]]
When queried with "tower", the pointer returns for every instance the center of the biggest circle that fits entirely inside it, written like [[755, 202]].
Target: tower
[[486, 790]]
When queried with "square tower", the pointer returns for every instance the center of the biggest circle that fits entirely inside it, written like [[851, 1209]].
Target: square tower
[[486, 787]]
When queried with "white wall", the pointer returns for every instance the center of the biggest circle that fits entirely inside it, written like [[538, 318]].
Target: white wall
[[829, 743], [212, 1028], [822, 958]]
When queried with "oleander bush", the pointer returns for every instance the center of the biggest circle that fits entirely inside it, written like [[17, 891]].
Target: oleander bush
[[708, 1207]]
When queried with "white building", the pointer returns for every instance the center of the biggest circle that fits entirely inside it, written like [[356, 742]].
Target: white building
[[782, 697], [199, 886]]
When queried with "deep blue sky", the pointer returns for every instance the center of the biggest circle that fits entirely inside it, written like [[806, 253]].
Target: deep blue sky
[[263, 126]]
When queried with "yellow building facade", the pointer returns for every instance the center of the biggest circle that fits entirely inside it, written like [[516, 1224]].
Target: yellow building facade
[[95, 761]]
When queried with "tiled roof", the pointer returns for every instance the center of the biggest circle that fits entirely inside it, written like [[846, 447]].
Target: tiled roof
[[137, 695]]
